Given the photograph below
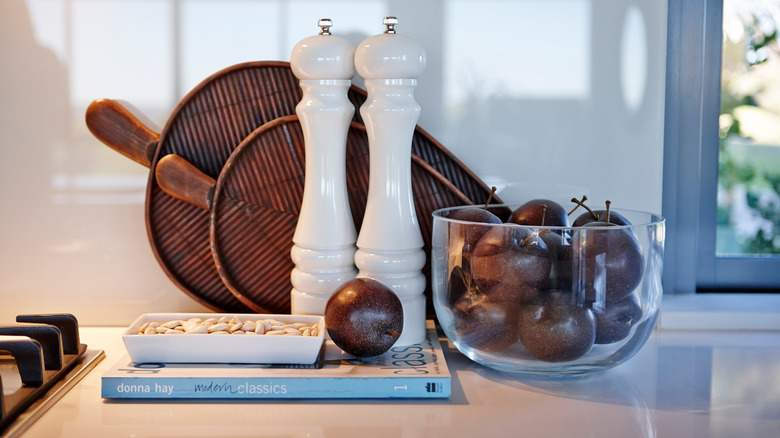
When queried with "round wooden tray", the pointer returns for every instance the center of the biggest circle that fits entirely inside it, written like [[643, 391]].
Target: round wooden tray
[[208, 125], [255, 203], [205, 128]]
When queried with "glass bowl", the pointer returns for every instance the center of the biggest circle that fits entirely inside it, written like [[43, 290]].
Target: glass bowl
[[547, 300]]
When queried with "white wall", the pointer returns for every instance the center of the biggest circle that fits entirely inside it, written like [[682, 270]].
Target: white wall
[[541, 98]]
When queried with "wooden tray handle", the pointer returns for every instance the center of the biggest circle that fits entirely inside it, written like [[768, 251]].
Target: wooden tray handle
[[115, 126], [179, 178]]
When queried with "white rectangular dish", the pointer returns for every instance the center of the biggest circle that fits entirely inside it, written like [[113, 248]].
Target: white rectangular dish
[[223, 348]]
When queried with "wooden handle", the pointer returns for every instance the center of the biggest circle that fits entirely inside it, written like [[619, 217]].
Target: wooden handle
[[115, 126], [180, 179]]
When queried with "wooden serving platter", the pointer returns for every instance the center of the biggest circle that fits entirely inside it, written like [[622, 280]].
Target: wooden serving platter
[[224, 111], [255, 203]]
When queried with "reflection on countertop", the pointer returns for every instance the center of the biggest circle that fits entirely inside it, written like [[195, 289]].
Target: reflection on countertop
[[682, 383]]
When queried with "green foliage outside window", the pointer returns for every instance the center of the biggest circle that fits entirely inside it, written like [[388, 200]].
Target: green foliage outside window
[[749, 155]]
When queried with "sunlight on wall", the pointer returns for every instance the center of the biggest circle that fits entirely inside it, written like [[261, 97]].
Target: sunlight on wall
[[533, 49], [633, 58], [541, 98]]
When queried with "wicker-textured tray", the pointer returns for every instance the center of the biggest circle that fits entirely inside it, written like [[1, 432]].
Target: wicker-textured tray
[[256, 201], [206, 127]]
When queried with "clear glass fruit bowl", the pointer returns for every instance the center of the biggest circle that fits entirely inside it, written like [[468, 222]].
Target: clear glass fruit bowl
[[553, 300]]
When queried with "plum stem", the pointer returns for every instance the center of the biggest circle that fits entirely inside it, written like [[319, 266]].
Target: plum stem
[[582, 203], [606, 216], [544, 214], [490, 197], [394, 333], [584, 198], [537, 232]]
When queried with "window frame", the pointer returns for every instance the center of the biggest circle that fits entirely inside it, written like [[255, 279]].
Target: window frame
[[690, 166]]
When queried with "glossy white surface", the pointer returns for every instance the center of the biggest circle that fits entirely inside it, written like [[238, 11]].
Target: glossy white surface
[[390, 55], [721, 311], [325, 235], [390, 244], [222, 348], [323, 56], [682, 384]]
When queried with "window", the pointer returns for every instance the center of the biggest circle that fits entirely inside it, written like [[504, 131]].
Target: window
[[749, 156], [691, 154]]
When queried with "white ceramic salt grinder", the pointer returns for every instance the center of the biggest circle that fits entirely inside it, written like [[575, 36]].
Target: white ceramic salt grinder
[[324, 239], [390, 242]]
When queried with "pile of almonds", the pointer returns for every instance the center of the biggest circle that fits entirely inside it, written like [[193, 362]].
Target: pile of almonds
[[227, 325]]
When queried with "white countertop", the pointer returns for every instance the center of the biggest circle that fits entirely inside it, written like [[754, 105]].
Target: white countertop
[[681, 384]]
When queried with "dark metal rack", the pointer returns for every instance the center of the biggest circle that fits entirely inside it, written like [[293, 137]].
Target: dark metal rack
[[41, 357]]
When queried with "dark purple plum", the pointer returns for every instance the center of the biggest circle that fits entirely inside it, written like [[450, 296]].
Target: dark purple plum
[[615, 321], [475, 214], [600, 216], [510, 264], [554, 329], [458, 284], [364, 317], [608, 259], [540, 212], [558, 244], [483, 324], [471, 233]]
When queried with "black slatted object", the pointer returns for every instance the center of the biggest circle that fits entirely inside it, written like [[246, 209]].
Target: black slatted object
[[31, 349]]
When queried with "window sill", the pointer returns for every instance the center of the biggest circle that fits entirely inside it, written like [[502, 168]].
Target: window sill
[[721, 311]]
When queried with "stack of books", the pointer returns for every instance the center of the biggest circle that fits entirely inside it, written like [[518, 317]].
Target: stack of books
[[412, 371]]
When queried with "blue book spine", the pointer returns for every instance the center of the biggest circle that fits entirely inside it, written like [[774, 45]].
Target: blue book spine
[[274, 388]]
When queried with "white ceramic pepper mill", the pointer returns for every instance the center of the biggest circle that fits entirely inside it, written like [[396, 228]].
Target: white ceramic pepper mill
[[390, 242], [324, 239]]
